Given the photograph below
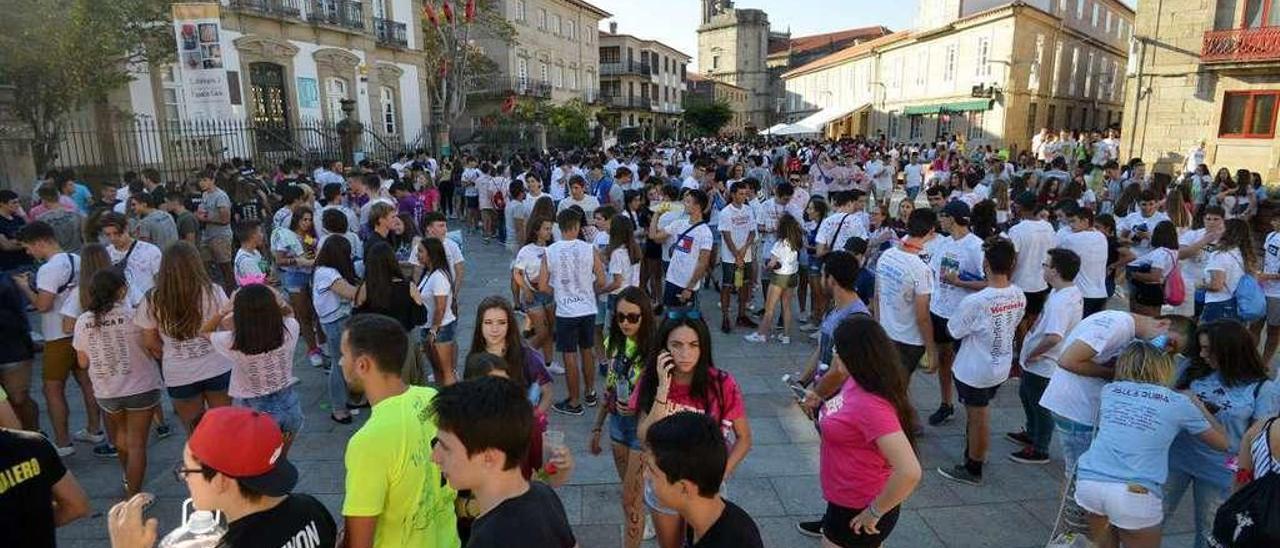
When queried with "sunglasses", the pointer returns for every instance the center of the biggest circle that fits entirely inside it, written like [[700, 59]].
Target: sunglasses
[[682, 313], [627, 318]]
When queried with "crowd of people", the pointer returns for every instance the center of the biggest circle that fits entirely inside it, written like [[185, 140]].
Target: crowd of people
[[1131, 305]]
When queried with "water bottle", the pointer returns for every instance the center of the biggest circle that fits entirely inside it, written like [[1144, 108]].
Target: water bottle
[[200, 529], [739, 276]]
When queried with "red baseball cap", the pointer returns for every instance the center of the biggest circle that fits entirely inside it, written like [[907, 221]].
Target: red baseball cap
[[246, 445]]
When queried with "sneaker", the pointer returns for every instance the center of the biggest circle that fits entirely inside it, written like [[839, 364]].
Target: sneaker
[[83, 435], [564, 407], [815, 335], [754, 337], [784, 339], [1020, 438], [961, 474], [943, 414], [809, 327], [66, 451], [725, 327], [105, 450], [556, 368], [810, 528], [316, 357], [649, 533], [1029, 455], [746, 322], [163, 431], [591, 399]]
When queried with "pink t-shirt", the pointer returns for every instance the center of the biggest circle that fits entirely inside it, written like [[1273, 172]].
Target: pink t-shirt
[[118, 365], [731, 409], [191, 360], [852, 470], [258, 375]]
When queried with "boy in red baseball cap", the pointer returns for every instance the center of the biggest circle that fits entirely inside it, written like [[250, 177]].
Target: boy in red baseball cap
[[232, 463]]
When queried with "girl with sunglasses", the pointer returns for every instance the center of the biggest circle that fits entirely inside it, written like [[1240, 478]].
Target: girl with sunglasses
[[680, 376], [630, 331]]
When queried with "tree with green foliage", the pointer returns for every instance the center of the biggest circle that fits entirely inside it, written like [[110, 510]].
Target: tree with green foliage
[[706, 118], [61, 55], [456, 63]]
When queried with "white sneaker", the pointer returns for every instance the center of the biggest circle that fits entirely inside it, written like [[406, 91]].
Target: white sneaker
[[648, 529], [784, 339], [815, 335], [66, 451], [84, 436], [316, 359], [754, 337], [555, 368]]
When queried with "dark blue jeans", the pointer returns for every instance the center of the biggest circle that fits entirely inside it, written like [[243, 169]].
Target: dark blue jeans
[[1039, 419]]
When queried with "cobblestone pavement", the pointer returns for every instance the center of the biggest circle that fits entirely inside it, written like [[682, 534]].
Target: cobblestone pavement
[[777, 483]]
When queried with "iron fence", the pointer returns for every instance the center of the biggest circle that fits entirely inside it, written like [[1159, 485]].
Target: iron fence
[[100, 151]]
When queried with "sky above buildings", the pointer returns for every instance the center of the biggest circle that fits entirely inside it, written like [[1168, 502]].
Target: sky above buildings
[[675, 22]]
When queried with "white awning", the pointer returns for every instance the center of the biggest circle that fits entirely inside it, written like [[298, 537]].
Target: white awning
[[773, 130], [819, 120], [795, 129]]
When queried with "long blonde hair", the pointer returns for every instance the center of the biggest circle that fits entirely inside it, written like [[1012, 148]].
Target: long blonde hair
[[182, 289], [1142, 362]]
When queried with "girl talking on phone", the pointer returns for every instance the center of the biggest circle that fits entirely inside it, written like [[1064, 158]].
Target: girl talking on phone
[[681, 377]]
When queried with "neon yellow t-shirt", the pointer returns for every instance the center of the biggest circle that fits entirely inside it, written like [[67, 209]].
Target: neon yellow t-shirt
[[390, 475]]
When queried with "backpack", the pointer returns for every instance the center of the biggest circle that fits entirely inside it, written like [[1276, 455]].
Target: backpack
[[1175, 290], [1251, 302], [603, 187], [1251, 516]]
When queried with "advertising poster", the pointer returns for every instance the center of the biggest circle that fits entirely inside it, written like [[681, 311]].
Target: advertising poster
[[204, 80]]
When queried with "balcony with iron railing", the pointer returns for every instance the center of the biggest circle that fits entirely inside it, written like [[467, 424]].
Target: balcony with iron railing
[[339, 13], [625, 68], [590, 96], [1247, 45], [272, 8], [392, 33], [626, 101], [501, 85]]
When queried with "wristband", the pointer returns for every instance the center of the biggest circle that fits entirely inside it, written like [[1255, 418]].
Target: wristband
[[871, 509]]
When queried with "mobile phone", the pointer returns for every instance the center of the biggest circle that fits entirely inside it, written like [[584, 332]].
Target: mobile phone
[[798, 391]]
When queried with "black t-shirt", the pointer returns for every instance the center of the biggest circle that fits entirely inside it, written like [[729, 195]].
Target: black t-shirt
[[29, 466], [299, 520], [533, 520], [734, 529], [10, 260]]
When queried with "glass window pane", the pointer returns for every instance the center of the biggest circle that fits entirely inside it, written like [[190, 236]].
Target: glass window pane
[[1273, 16], [1233, 114], [1253, 13], [1264, 110]]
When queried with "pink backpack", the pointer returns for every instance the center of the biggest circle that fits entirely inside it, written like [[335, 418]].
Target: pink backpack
[[1175, 290]]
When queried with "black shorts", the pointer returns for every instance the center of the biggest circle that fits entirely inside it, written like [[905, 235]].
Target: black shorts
[[1035, 301], [573, 334], [728, 271], [1147, 294], [473, 202], [652, 250], [909, 355], [975, 397], [835, 527], [671, 296], [940, 333], [1092, 306]]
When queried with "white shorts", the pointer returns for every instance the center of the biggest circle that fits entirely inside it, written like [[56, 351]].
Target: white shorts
[[1122, 507]]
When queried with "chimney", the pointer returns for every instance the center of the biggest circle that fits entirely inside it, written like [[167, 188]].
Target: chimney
[[613, 27]]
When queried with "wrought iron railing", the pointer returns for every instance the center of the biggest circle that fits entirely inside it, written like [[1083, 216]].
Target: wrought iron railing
[[1241, 45], [625, 67], [276, 8], [339, 13], [501, 85], [626, 101], [391, 32]]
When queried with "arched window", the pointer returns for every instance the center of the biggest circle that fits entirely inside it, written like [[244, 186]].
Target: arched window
[[336, 90], [389, 124]]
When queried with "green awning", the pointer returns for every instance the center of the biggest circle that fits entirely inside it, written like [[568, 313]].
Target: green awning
[[959, 106]]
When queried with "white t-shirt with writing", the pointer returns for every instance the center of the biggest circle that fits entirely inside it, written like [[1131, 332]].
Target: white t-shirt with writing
[[572, 277], [187, 361], [1271, 263], [262, 374], [984, 323], [118, 365], [900, 276], [686, 248], [954, 256], [1076, 396], [1062, 311], [736, 223]]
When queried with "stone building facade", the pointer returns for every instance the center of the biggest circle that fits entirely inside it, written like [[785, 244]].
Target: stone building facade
[[1205, 71], [738, 99], [642, 83], [732, 47]]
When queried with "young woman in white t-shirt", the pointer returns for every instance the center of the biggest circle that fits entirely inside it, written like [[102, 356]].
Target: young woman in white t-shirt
[[126, 380], [784, 263], [333, 289], [540, 306], [1232, 257], [435, 291], [1148, 273]]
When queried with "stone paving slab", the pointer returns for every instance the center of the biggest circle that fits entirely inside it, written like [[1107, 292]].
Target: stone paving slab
[[777, 483]]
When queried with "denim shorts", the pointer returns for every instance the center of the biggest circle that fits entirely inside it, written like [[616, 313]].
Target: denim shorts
[[541, 301], [623, 430], [283, 406], [218, 383], [447, 333], [136, 402], [294, 281]]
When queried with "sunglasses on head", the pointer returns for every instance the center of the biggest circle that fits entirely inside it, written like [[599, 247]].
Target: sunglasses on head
[[682, 313]]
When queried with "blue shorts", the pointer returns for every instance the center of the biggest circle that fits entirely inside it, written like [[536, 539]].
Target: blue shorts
[[447, 333], [573, 334], [295, 282], [218, 383], [623, 430], [283, 406]]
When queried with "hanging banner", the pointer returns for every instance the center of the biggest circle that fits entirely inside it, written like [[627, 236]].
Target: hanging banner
[[205, 93]]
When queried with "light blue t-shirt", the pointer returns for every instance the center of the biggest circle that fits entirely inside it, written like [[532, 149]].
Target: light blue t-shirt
[[1236, 408], [826, 341], [1136, 424]]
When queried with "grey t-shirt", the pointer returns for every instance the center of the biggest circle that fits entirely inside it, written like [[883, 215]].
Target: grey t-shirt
[[66, 228], [213, 201], [158, 228]]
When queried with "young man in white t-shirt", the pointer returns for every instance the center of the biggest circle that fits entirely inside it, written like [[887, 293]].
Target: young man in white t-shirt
[[690, 241], [578, 197], [1137, 226], [984, 323], [573, 272], [55, 282], [470, 178], [904, 285], [438, 228], [738, 227], [1032, 237], [139, 260], [957, 266], [1091, 246], [1040, 351]]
